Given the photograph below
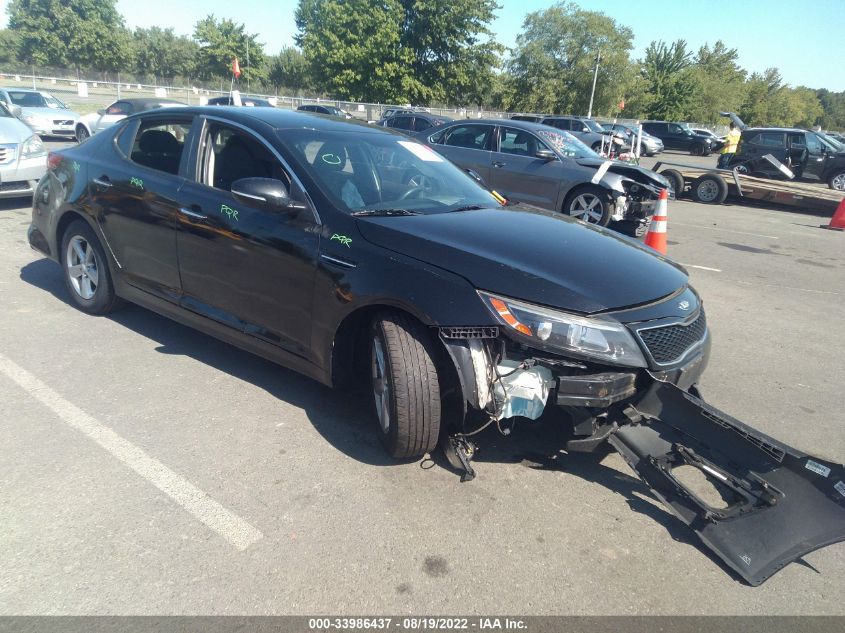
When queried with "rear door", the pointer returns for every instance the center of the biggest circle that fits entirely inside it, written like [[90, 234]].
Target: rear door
[[761, 144], [469, 146], [240, 265], [814, 164], [135, 185], [518, 174]]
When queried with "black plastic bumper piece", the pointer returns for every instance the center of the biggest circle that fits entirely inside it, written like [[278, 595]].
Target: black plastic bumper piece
[[778, 503], [595, 390]]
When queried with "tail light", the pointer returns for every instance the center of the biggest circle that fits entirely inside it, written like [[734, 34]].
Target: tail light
[[53, 160]]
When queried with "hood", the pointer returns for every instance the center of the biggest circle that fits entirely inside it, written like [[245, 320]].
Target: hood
[[634, 172], [13, 131], [50, 113], [534, 255]]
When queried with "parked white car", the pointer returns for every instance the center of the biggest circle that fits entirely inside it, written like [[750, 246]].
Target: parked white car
[[90, 124], [23, 157], [42, 112]]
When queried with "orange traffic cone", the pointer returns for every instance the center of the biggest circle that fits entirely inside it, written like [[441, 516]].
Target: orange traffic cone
[[656, 236], [837, 222]]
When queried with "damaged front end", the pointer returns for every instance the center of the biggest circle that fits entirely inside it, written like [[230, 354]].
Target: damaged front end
[[756, 503]]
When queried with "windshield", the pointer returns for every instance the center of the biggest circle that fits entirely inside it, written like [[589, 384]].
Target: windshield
[[377, 172], [52, 102], [566, 145], [28, 99], [829, 142], [4, 113]]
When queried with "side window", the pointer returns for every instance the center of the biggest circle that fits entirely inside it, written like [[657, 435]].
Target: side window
[[403, 123], [814, 145], [438, 137], [119, 107], [229, 154], [769, 139], [470, 136], [561, 124], [674, 128], [159, 143], [519, 142], [421, 124]]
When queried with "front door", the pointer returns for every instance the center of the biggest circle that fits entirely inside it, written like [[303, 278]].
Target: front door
[[518, 174], [240, 265], [134, 192]]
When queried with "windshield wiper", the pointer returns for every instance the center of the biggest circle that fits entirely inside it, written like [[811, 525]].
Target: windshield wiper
[[468, 207], [382, 212]]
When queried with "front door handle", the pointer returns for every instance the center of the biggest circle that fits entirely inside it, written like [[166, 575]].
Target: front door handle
[[103, 181], [194, 215], [498, 163]]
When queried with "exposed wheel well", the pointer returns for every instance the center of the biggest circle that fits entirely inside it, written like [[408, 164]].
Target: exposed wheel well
[[64, 222]]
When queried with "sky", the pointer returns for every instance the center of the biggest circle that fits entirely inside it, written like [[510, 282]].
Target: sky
[[805, 40]]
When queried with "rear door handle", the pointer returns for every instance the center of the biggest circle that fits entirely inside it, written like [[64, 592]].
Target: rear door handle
[[103, 181], [194, 215], [498, 163]]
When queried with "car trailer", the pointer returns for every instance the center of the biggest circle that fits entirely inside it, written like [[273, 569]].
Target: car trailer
[[713, 186]]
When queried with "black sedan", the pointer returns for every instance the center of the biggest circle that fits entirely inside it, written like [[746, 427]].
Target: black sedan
[[347, 251]]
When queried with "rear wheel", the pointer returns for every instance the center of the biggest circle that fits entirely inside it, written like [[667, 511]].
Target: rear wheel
[[709, 189], [86, 270], [406, 390], [81, 133], [591, 204]]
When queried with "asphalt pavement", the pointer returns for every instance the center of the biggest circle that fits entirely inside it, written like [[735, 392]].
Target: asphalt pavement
[[150, 469]]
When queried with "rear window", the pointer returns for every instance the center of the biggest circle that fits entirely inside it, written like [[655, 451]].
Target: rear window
[[159, 144]]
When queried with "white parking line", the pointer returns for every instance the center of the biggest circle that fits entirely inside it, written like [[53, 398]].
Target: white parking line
[[717, 228], [715, 270], [205, 509]]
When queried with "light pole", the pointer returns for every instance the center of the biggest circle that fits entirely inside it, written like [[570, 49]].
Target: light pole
[[593, 92]]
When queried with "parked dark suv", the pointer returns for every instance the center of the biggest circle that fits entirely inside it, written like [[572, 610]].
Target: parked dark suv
[[681, 137], [810, 156], [410, 121]]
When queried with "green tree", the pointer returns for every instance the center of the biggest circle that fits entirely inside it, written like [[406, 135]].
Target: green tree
[[552, 64], [8, 46], [833, 109], [353, 49], [163, 54], [719, 81], [289, 69], [222, 41], [80, 33], [669, 85]]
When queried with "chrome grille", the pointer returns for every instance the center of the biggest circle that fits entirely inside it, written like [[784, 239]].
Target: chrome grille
[[62, 121], [7, 154], [669, 343]]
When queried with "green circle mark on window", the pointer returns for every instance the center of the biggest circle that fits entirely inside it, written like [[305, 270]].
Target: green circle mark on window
[[331, 159]]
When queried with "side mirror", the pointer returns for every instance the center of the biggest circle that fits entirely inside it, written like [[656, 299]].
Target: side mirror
[[101, 112], [545, 154], [264, 193], [585, 129]]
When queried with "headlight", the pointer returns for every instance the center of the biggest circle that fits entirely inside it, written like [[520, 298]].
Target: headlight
[[597, 338], [33, 147]]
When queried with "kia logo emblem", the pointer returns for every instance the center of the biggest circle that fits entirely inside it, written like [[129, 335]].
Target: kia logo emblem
[[684, 305]]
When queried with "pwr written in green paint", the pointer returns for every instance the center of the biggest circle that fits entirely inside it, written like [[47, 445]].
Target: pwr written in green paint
[[136, 182], [346, 241], [229, 211]]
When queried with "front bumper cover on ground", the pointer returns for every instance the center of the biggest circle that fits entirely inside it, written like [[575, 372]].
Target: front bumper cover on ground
[[777, 503]]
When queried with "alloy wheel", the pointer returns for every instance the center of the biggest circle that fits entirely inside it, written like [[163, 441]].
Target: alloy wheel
[[838, 182], [82, 267], [588, 208]]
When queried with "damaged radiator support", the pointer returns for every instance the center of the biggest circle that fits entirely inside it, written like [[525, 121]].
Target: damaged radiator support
[[778, 503]]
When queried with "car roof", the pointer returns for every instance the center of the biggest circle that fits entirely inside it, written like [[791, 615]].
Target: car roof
[[279, 118], [148, 100], [773, 129]]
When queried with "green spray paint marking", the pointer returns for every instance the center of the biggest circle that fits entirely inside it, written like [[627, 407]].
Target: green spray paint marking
[[75, 166], [346, 241], [136, 182], [229, 211]]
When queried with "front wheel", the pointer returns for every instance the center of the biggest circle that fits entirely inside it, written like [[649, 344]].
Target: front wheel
[[406, 390], [591, 204], [81, 133], [837, 180], [86, 270]]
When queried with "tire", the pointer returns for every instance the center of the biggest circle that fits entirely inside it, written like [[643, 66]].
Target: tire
[[709, 189], [81, 133], [406, 390], [697, 150], [92, 290], [676, 180], [578, 203], [596, 147], [837, 180]]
